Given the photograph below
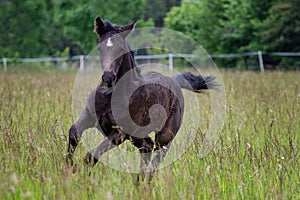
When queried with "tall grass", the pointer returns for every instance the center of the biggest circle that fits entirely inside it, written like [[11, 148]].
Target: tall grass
[[256, 157]]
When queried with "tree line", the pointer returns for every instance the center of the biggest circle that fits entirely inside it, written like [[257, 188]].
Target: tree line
[[33, 28]]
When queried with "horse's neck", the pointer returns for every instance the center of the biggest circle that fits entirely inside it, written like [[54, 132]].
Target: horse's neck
[[128, 68], [128, 76]]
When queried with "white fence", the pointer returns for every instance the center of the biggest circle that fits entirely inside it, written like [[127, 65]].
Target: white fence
[[170, 58]]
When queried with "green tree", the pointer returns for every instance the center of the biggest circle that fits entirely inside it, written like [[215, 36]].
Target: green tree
[[224, 26], [24, 28], [281, 29], [76, 19], [278, 30], [32, 28], [157, 9], [201, 21]]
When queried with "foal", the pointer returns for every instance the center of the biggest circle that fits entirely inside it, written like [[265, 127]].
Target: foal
[[155, 105]]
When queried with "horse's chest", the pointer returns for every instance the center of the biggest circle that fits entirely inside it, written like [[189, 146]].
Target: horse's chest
[[103, 110]]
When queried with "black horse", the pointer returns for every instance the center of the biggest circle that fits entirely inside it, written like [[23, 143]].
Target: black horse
[[155, 105]]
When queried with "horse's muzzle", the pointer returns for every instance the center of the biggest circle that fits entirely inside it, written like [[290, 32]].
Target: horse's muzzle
[[109, 78]]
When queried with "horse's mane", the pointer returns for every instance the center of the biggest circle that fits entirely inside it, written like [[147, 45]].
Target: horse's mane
[[109, 27], [132, 54]]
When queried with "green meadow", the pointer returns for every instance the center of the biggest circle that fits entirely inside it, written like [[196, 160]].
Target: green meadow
[[256, 156]]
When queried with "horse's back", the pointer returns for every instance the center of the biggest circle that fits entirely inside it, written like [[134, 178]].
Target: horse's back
[[161, 86], [159, 78]]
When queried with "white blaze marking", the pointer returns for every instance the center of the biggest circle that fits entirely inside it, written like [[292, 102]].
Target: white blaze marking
[[109, 43]]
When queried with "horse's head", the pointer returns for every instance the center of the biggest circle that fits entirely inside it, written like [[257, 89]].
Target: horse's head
[[112, 47]]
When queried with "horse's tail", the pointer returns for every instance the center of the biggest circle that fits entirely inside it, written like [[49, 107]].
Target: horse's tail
[[195, 83]]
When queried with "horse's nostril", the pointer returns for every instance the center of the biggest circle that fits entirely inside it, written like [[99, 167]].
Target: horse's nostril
[[108, 78], [111, 76]]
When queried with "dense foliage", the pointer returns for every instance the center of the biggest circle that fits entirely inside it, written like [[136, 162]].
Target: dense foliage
[[41, 27], [223, 26], [34, 28]]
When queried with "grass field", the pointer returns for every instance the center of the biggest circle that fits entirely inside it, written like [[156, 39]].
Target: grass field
[[256, 157]]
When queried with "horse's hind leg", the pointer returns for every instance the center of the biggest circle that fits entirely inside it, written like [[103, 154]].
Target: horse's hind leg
[[158, 155], [86, 120], [145, 146], [163, 140]]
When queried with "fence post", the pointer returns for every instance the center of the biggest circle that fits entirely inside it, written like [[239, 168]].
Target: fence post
[[170, 61], [4, 64], [81, 66], [261, 61]]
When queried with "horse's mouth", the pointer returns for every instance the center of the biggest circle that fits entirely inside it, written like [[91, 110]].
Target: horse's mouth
[[107, 85], [107, 88]]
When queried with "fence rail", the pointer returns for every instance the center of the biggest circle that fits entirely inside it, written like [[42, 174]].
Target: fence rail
[[170, 58]]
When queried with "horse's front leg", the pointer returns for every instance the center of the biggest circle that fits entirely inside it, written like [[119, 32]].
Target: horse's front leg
[[145, 146], [86, 120], [73, 141], [113, 140]]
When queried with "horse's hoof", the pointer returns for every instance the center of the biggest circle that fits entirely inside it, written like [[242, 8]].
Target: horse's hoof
[[89, 160], [137, 182], [144, 187], [69, 160]]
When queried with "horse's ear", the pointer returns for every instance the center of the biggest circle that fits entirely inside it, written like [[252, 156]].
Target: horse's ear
[[99, 26], [127, 29]]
